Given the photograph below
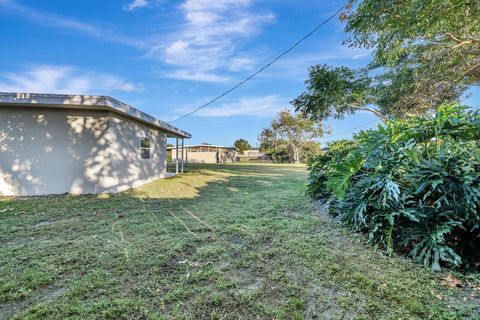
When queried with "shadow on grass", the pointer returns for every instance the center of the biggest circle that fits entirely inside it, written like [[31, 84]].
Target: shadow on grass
[[220, 241], [59, 241]]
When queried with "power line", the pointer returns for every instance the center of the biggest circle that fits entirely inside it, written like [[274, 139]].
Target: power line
[[263, 68], [351, 129]]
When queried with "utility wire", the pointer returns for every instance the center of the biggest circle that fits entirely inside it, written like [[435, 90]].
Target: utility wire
[[263, 68], [351, 129]]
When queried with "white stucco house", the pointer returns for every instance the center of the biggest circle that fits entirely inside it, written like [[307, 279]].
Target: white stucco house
[[55, 143]]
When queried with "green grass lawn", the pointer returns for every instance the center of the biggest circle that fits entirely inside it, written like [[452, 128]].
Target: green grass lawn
[[219, 242]]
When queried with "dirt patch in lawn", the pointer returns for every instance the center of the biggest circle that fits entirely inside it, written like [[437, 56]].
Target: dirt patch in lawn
[[246, 281], [45, 294], [323, 303]]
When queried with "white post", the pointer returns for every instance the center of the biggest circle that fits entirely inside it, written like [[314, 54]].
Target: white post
[[183, 148], [176, 158]]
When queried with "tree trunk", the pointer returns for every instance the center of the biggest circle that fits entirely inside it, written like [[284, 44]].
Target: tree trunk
[[296, 156]]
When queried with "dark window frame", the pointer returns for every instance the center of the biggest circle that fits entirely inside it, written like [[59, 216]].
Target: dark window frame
[[145, 146]]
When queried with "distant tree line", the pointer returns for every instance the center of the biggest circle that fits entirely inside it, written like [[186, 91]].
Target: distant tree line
[[291, 138]]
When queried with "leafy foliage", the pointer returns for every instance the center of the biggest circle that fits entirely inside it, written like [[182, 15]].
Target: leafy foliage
[[242, 145], [309, 149], [335, 92], [290, 137], [411, 185], [429, 50], [425, 53]]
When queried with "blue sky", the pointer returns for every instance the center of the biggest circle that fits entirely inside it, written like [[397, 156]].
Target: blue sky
[[168, 57]]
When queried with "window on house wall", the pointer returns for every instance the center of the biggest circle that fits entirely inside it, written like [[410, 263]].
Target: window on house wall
[[145, 148]]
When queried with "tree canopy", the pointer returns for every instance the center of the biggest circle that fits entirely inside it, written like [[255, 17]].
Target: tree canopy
[[288, 136], [335, 92], [429, 49], [242, 145], [425, 53]]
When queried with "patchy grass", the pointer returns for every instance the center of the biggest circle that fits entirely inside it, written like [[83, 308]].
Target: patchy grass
[[219, 242]]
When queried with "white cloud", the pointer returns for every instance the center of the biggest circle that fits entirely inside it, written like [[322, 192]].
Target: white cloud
[[241, 63], [258, 107], [218, 5], [114, 83], [63, 79], [207, 40], [136, 4], [197, 76], [57, 21]]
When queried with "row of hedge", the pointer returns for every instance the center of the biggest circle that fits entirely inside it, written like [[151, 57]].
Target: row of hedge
[[412, 185]]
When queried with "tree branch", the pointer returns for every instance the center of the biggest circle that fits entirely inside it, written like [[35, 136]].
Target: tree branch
[[466, 72], [375, 112], [461, 42], [451, 36]]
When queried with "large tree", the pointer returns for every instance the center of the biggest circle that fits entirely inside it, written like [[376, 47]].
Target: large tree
[[288, 135], [242, 145], [336, 92], [429, 49], [425, 53]]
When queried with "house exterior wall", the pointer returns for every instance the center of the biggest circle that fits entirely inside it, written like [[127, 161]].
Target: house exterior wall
[[128, 168], [226, 155], [201, 157], [52, 151], [45, 151], [194, 157]]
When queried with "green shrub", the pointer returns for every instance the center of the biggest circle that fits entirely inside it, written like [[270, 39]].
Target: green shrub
[[412, 185], [320, 165]]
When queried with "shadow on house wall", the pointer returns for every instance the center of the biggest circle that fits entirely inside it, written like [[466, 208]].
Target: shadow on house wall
[[47, 151], [128, 167]]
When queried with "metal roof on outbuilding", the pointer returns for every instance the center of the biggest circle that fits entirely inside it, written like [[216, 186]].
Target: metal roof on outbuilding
[[90, 103]]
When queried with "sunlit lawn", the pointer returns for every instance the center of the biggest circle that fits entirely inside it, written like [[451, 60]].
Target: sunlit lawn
[[219, 242]]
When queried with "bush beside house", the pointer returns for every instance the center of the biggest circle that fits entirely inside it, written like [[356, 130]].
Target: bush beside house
[[412, 185]]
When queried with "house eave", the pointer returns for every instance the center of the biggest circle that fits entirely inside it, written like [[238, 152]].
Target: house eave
[[88, 102]]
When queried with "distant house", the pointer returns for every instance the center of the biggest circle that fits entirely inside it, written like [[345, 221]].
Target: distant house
[[204, 153], [253, 154], [51, 144]]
